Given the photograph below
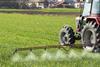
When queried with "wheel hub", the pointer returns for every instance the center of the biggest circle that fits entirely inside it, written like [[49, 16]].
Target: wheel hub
[[65, 38]]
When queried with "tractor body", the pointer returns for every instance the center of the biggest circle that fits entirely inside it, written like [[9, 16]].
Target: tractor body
[[88, 27], [91, 11]]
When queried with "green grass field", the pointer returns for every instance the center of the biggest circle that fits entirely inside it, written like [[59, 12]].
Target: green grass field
[[17, 30], [46, 10], [60, 10]]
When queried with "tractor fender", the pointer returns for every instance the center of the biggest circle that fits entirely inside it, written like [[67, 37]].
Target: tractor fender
[[97, 19]]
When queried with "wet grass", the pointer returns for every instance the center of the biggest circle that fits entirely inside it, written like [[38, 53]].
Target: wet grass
[[17, 30]]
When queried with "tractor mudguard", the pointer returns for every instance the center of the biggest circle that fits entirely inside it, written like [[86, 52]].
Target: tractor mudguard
[[95, 18]]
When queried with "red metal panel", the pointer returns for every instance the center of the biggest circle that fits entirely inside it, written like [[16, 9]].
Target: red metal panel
[[95, 17]]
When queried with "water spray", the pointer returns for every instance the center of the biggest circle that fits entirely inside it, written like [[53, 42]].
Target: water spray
[[69, 54]]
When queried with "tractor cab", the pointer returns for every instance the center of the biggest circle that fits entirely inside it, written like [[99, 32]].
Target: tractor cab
[[87, 8], [91, 7]]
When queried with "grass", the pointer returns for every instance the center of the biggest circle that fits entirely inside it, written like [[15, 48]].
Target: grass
[[31, 29], [60, 10], [46, 10], [17, 30]]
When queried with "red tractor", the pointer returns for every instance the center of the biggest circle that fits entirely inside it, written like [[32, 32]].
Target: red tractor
[[88, 28]]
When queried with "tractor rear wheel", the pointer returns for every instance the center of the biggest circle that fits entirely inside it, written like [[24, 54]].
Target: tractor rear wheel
[[91, 36], [67, 36]]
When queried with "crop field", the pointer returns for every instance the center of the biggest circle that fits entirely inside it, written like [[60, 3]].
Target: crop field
[[46, 10], [22, 30], [60, 10]]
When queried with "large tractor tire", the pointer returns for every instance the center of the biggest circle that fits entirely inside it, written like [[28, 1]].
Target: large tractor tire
[[67, 36], [90, 36]]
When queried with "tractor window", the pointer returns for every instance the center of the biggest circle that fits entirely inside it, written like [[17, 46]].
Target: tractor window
[[87, 7], [96, 7]]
